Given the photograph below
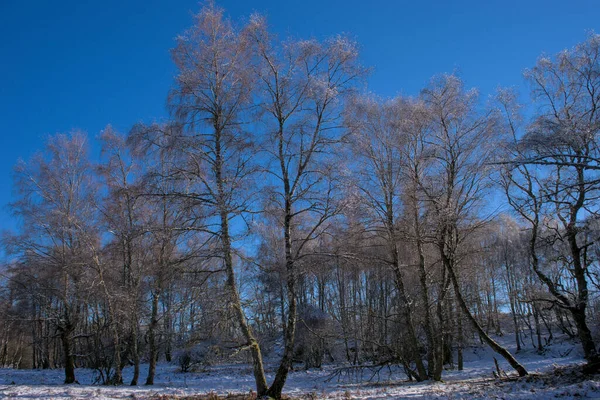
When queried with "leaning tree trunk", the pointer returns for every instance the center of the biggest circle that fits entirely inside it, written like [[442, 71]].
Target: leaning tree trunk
[[577, 309], [585, 335], [486, 338], [251, 342]]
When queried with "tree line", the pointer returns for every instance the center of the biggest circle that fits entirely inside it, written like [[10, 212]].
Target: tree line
[[283, 213]]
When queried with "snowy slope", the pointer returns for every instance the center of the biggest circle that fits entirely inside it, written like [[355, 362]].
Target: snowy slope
[[548, 380]]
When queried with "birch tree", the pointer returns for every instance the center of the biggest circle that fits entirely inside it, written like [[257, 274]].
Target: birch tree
[[379, 136], [301, 85], [212, 93], [55, 205], [124, 214], [555, 171], [462, 149]]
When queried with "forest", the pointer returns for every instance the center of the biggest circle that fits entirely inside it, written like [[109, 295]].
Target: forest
[[285, 217]]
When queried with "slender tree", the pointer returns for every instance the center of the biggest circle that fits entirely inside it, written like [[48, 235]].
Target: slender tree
[[212, 93], [554, 169], [380, 130], [301, 87], [124, 214], [56, 207], [462, 147]]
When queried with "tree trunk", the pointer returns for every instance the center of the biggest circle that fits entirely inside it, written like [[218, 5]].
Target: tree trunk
[[585, 335], [512, 301], [490, 342], [152, 340], [117, 378], [412, 336], [252, 343], [459, 341], [431, 359], [399, 281], [538, 329], [136, 354], [290, 332], [168, 322], [69, 358], [439, 338], [289, 338]]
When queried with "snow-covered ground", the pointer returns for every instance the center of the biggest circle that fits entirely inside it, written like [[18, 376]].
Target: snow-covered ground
[[549, 380]]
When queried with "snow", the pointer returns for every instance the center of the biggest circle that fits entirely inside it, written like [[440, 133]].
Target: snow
[[549, 379]]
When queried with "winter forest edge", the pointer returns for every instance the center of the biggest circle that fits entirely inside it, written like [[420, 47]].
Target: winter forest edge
[[285, 218]]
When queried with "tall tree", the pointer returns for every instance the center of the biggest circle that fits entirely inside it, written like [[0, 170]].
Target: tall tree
[[556, 167], [462, 146], [212, 93], [301, 87], [56, 207], [124, 215], [171, 231], [380, 133]]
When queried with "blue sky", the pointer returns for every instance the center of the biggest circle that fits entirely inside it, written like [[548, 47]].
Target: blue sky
[[81, 64]]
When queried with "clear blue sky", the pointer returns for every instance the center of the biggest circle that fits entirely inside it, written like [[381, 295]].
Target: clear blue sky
[[83, 64]]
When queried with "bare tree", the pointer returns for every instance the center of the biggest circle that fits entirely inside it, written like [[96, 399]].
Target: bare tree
[[301, 85], [171, 230], [462, 147], [380, 133], [124, 213], [56, 208], [554, 170], [213, 91], [420, 230]]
